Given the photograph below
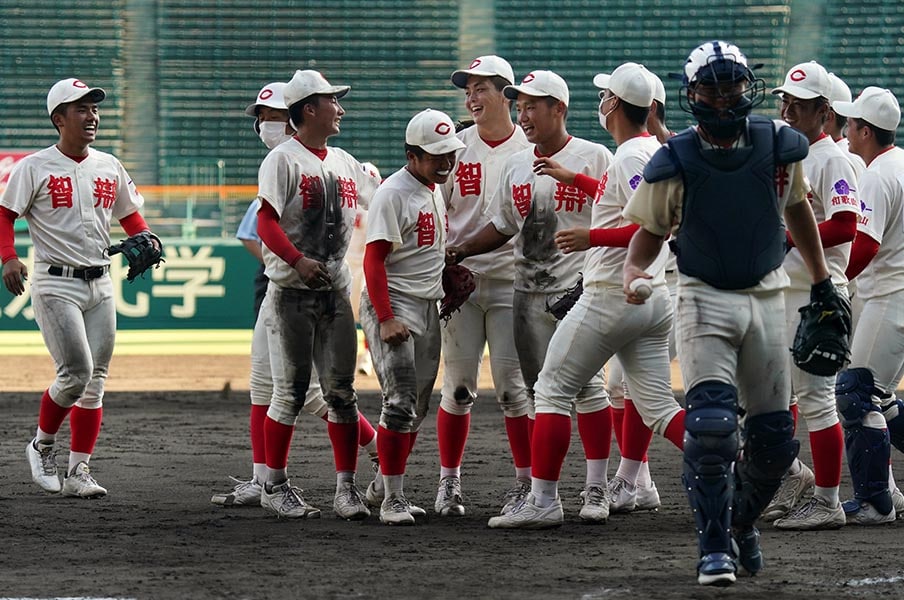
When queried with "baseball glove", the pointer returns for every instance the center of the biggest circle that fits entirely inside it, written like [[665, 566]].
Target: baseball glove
[[560, 307], [822, 343], [140, 252], [458, 283]]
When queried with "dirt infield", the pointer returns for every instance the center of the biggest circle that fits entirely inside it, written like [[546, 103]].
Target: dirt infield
[[156, 535]]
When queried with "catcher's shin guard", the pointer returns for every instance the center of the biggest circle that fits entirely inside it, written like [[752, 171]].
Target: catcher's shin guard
[[710, 448], [769, 449], [893, 411], [854, 391]]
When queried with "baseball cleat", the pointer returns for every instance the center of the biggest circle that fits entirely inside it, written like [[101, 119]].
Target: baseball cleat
[[595, 507], [622, 495], [647, 498], [396, 510], [80, 484], [716, 568], [527, 515], [245, 493], [42, 460], [795, 487], [515, 496], [897, 500], [861, 512], [348, 503], [813, 514], [746, 546], [286, 501], [448, 498]]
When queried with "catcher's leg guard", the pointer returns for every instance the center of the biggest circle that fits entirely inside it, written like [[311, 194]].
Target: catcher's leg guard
[[710, 448], [868, 448], [893, 411], [769, 449]]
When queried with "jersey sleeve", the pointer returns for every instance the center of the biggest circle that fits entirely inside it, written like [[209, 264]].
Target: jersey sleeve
[[128, 199], [656, 206], [384, 218], [273, 179], [20, 188], [501, 209], [838, 191], [798, 187], [874, 204]]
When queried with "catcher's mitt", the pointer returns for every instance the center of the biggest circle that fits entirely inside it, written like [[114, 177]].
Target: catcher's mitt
[[822, 344], [458, 283], [140, 252], [560, 307]]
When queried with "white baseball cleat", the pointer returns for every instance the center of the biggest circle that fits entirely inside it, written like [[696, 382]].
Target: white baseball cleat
[[348, 503], [861, 512], [897, 500], [42, 460], [245, 493], [80, 484], [647, 498], [527, 515], [813, 514], [448, 498], [515, 495], [795, 487], [286, 501], [595, 507], [396, 510], [622, 495]]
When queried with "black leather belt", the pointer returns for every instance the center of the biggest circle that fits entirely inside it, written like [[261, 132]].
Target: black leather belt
[[87, 274]]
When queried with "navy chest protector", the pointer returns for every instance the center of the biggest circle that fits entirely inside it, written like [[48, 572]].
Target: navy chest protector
[[732, 233]]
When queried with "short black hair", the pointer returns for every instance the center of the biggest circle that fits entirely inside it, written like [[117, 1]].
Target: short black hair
[[296, 111], [884, 137], [416, 150], [660, 111], [637, 115]]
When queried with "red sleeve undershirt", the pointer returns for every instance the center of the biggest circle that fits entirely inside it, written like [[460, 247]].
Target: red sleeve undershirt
[[7, 234], [586, 184], [134, 223], [617, 237], [273, 235], [375, 254], [863, 250], [841, 228]]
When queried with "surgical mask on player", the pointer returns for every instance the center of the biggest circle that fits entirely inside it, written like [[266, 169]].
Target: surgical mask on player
[[603, 115], [273, 133]]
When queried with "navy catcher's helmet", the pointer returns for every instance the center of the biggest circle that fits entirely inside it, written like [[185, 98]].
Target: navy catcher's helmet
[[734, 91]]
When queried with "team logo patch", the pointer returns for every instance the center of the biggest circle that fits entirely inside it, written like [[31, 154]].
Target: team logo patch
[[797, 75], [442, 128], [475, 64], [265, 94], [528, 78], [635, 181], [864, 208], [78, 84], [842, 187]]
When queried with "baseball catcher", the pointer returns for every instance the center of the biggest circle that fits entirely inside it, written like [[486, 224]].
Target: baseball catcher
[[822, 344], [458, 284], [142, 250]]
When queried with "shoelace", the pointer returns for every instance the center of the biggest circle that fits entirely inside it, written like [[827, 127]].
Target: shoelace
[[451, 488], [594, 495], [399, 504], [292, 498], [805, 509], [240, 484], [518, 493], [48, 460]]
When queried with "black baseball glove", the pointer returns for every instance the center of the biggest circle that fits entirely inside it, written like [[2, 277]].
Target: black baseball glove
[[822, 344], [560, 307], [140, 252], [458, 283]]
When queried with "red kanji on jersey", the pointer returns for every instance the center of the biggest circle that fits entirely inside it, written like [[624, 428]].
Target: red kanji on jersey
[[60, 192], [568, 197], [426, 229], [348, 192], [104, 192], [468, 176], [521, 195], [311, 191], [781, 180], [601, 188]]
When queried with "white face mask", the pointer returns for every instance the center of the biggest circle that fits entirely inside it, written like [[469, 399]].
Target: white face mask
[[603, 115], [273, 133]]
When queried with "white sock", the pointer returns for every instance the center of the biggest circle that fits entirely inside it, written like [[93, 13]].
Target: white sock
[[344, 477], [75, 458], [628, 470], [522, 473], [276, 476], [393, 484], [259, 472], [371, 448], [892, 486], [830, 494], [449, 472], [45, 438], [545, 492], [596, 471], [644, 479]]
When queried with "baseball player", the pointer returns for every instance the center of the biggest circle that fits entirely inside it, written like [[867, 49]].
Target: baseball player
[[486, 318], [309, 194], [271, 122], [533, 208], [834, 201], [68, 193], [730, 250], [837, 124], [601, 324], [872, 417], [403, 262]]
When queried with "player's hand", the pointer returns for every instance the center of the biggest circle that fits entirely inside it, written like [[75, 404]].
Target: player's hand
[[313, 273], [394, 332], [455, 254], [14, 275], [547, 166], [573, 240], [630, 274]]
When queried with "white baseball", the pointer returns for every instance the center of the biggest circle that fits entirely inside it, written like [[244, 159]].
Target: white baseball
[[641, 287]]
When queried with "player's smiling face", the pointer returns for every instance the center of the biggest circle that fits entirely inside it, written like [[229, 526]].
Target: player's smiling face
[[807, 116], [78, 123], [483, 101], [431, 168], [537, 117], [327, 115]]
